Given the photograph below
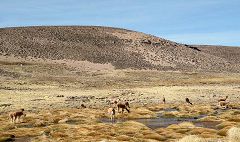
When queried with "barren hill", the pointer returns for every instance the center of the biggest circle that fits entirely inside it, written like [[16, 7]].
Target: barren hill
[[118, 47]]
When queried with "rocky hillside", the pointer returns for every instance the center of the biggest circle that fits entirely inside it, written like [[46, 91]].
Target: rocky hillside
[[119, 47]]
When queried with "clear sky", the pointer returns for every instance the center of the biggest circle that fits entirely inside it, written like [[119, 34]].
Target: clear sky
[[186, 21]]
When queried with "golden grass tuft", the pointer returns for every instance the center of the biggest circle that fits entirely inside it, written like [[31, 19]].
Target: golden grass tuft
[[134, 125], [155, 136], [231, 115], [205, 132], [130, 128], [210, 118], [39, 123], [123, 138], [233, 134], [169, 133], [181, 114], [235, 118], [182, 130], [7, 127], [225, 124], [160, 107], [223, 132], [196, 109], [186, 125], [192, 138]]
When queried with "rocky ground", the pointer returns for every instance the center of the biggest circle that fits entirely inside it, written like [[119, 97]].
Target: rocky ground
[[118, 47]]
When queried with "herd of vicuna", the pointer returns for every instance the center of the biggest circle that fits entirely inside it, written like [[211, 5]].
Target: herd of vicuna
[[116, 104], [125, 105]]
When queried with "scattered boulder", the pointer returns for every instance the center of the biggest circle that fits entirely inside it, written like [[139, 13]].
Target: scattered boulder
[[146, 41]]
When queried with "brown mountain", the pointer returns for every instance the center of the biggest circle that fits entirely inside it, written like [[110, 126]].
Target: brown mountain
[[122, 48]]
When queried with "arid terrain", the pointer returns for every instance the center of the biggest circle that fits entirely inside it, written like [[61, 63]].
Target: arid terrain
[[52, 71]]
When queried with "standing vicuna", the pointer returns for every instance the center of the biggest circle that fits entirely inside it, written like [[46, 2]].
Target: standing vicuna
[[223, 99], [223, 104], [112, 112], [188, 101], [123, 106], [164, 100], [15, 116]]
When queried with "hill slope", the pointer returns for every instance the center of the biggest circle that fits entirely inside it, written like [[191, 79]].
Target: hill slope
[[122, 48]]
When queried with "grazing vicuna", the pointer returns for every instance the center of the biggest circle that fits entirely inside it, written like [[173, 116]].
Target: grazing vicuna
[[223, 99], [223, 104], [14, 116], [188, 101], [112, 112], [123, 106], [83, 106], [164, 100]]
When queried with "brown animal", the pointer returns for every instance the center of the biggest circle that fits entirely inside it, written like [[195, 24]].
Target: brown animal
[[223, 99], [188, 101], [112, 112], [223, 104], [15, 116], [83, 106], [123, 106], [164, 100]]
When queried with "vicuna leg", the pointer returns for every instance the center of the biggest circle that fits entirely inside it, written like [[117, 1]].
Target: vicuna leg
[[14, 118], [11, 117], [122, 110], [18, 119], [128, 110]]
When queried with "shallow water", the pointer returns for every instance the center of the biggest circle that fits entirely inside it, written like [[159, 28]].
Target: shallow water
[[207, 124], [162, 122], [23, 139]]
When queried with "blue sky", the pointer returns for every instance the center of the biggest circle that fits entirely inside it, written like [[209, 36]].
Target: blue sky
[[214, 22]]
